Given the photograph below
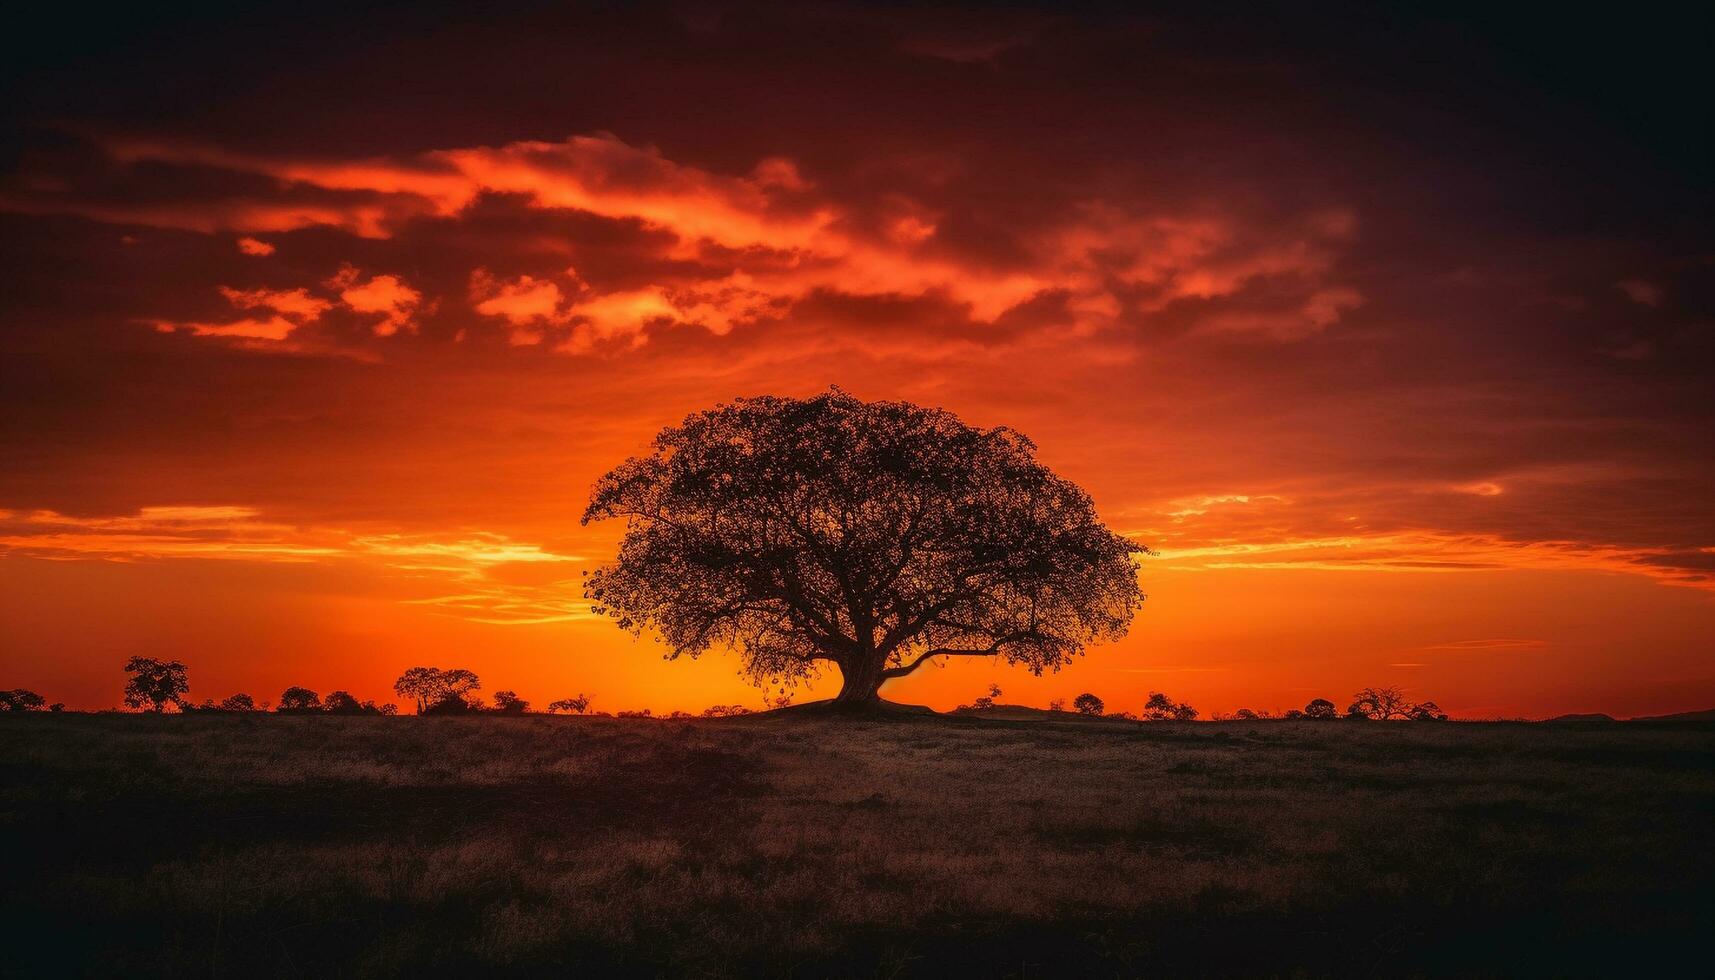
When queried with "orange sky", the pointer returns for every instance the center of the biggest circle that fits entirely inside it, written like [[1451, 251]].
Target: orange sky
[[323, 400]]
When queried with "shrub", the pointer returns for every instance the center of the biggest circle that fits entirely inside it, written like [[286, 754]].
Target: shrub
[[452, 704], [577, 706]]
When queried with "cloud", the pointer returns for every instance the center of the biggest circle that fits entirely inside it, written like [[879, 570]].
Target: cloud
[[254, 246], [527, 304], [1640, 291], [296, 305], [737, 250], [1488, 644], [388, 295], [1257, 531], [284, 312], [477, 561]]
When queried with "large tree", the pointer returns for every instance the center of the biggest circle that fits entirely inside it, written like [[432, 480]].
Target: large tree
[[870, 536]]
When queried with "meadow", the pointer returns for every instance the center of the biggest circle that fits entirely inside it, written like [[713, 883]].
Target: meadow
[[795, 845]]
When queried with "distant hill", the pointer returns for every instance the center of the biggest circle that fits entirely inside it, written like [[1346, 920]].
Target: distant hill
[[1595, 716], [1706, 715]]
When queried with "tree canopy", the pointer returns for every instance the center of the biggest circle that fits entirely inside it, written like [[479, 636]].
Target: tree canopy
[[870, 536], [436, 689], [21, 699], [155, 683], [299, 700]]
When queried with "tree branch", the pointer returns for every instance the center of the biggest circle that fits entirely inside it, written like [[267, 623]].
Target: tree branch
[[904, 669]]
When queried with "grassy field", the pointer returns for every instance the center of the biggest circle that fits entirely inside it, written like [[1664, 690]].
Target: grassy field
[[793, 845]]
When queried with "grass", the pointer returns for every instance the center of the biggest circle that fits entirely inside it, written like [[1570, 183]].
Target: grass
[[792, 845]]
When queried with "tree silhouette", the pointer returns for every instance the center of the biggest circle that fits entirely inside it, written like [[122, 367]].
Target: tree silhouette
[[1160, 707], [1321, 708], [20, 699], [300, 700], [238, 702], [1379, 704], [509, 703], [435, 689], [1427, 711], [342, 703], [1088, 704], [872, 536], [155, 683], [576, 706]]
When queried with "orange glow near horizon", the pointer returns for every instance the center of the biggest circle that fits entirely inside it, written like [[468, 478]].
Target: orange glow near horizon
[[307, 408]]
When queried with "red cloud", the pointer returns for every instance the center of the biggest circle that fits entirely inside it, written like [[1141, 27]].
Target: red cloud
[[747, 248]]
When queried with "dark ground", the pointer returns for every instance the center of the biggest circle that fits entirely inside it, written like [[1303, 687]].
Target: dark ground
[[802, 846]]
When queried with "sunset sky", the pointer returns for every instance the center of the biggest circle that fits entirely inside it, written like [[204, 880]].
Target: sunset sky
[[1395, 338]]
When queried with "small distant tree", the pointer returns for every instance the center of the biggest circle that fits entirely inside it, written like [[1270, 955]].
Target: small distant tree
[[1293, 714], [576, 706], [238, 702], [645, 713], [155, 683], [1160, 707], [509, 703], [1380, 704], [1058, 704], [419, 683], [1321, 709], [725, 711], [57, 707], [21, 700], [435, 689], [1427, 711], [299, 701], [342, 703], [1088, 704], [1245, 714], [345, 703]]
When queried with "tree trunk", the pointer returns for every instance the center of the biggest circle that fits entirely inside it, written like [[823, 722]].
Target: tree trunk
[[861, 681]]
